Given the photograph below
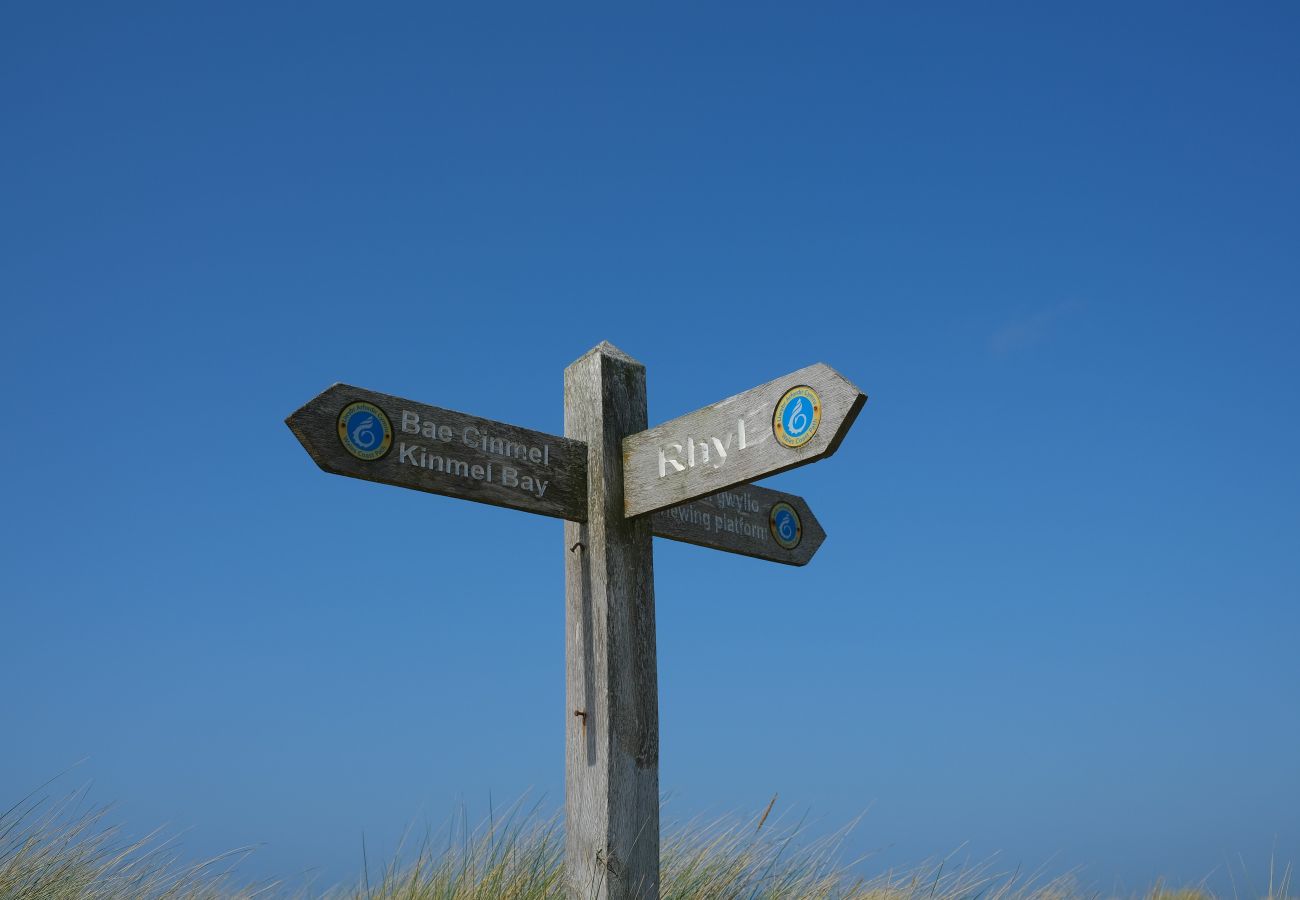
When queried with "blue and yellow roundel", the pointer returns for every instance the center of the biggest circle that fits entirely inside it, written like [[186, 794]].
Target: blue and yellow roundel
[[364, 430], [797, 415], [784, 522]]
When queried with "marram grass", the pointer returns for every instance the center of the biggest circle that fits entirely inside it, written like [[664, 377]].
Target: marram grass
[[65, 852]]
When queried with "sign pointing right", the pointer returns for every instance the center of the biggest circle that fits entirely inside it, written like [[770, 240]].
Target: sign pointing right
[[791, 421], [749, 520]]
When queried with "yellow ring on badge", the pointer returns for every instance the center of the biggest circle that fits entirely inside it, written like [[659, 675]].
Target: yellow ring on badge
[[364, 430], [790, 537], [796, 417]]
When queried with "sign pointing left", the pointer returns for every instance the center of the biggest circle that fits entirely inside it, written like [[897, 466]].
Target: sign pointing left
[[377, 437]]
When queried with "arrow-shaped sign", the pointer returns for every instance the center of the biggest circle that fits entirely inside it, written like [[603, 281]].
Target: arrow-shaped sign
[[792, 421], [364, 434], [749, 520]]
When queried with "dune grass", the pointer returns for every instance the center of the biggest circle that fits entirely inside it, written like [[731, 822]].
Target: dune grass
[[65, 851]]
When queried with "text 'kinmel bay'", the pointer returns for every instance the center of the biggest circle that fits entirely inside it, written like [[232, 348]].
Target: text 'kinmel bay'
[[475, 438]]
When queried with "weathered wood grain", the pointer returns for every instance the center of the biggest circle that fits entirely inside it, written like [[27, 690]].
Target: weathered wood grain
[[732, 442], [611, 788], [739, 521], [550, 481]]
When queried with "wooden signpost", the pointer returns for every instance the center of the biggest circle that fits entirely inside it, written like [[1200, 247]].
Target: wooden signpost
[[615, 483]]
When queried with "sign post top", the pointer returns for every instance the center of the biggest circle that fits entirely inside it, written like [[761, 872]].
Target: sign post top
[[605, 348]]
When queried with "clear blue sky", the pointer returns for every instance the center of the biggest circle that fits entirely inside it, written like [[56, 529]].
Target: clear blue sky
[[1056, 614]]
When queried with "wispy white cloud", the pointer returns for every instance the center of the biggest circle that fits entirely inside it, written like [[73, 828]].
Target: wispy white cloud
[[1031, 329]]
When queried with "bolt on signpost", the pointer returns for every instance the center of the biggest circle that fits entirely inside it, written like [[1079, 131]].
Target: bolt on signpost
[[616, 484]]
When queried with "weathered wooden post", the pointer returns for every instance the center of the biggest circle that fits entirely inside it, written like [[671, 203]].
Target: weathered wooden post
[[611, 788]]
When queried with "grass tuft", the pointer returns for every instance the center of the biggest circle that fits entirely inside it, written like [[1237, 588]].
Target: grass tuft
[[64, 851]]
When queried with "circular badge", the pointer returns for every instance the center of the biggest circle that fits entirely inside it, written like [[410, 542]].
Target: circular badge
[[797, 416], [784, 522], [364, 430]]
